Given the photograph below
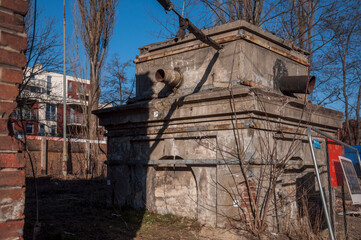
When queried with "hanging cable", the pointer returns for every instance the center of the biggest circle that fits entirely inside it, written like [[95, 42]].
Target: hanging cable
[[33, 34]]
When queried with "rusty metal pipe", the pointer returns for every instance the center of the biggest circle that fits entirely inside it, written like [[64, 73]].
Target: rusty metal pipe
[[167, 4], [187, 24], [172, 78], [297, 84]]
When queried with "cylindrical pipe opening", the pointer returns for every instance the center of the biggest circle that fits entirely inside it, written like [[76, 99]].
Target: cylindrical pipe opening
[[159, 75], [297, 84], [311, 84], [170, 77]]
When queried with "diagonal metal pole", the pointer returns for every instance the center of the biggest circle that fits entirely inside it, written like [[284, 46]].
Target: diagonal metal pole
[[330, 228], [359, 161], [168, 6]]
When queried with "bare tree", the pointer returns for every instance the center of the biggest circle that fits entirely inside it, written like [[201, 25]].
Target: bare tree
[[94, 23], [227, 10], [209, 13], [116, 85], [358, 118], [170, 24], [43, 52], [43, 44], [300, 21], [341, 63]]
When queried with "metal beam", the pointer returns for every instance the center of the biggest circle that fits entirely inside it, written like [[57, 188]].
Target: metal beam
[[187, 24], [325, 208]]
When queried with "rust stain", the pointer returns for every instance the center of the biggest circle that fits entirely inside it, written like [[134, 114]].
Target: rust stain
[[219, 127], [165, 54], [196, 129], [224, 40], [273, 49], [257, 125], [291, 130], [185, 49], [253, 84]]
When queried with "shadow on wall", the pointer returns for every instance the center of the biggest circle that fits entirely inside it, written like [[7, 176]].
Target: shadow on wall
[[129, 151]]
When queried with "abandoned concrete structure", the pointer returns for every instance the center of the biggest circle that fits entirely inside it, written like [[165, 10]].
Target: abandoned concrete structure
[[200, 113]]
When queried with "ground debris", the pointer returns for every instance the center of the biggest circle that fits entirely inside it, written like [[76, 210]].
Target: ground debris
[[78, 209]]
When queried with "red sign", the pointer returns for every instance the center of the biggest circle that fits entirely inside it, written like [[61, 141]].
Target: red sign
[[336, 173]]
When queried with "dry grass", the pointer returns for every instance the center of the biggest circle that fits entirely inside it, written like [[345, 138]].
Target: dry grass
[[77, 209]]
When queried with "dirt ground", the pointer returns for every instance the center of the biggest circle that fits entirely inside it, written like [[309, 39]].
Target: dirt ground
[[78, 209]]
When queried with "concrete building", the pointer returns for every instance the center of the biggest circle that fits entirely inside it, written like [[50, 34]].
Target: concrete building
[[204, 120]]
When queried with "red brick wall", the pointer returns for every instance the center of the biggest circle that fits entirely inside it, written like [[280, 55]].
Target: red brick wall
[[12, 175], [74, 91]]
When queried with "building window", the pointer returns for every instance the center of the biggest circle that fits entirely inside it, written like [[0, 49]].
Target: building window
[[53, 130], [16, 114], [28, 113], [29, 128], [70, 89], [82, 89], [71, 117], [41, 130], [48, 85], [50, 112]]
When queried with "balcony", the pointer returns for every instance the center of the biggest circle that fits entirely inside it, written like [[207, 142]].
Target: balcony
[[75, 119], [37, 83], [50, 116], [27, 115], [35, 87]]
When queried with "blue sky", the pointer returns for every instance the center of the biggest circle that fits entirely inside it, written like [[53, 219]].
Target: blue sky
[[135, 26]]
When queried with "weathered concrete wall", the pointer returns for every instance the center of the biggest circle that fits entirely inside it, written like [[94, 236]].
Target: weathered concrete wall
[[12, 175], [250, 55], [152, 163], [179, 152], [46, 156]]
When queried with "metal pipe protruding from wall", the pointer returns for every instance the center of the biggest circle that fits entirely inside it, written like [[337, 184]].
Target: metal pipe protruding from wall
[[297, 84], [172, 78]]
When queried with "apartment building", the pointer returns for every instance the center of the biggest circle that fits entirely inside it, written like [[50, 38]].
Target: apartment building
[[42, 111]]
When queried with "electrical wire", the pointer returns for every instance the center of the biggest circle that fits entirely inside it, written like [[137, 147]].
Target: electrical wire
[[34, 29]]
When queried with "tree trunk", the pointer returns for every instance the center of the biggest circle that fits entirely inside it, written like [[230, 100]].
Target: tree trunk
[[344, 91], [358, 117], [92, 104], [120, 92], [92, 119]]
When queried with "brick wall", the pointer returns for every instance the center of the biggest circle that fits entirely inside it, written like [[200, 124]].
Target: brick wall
[[12, 175]]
